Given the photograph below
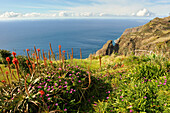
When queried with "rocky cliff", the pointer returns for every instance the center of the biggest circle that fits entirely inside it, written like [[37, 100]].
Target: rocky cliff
[[152, 36]]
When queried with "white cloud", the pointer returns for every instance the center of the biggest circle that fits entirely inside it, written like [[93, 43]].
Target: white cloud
[[143, 12], [63, 14], [10, 15], [32, 14]]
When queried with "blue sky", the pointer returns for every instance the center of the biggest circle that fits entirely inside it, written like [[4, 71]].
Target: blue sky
[[82, 8]]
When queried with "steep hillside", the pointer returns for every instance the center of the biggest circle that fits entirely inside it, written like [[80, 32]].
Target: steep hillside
[[153, 36]]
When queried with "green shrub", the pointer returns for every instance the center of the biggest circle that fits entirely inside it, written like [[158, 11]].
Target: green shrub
[[4, 54]]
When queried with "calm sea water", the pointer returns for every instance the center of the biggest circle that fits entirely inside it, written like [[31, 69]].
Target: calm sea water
[[87, 34]]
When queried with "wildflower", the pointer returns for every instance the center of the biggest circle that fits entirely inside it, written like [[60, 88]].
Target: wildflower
[[95, 104], [70, 74], [27, 62], [3, 81], [65, 82], [15, 61], [70, 91], [6, 72], [164, 76], [27, 50], [65, 109], [33, 66], [49, 98], [59, 87], [156, 81], [48, 86], [13, 53], [51, 62], [7, 59], [39, 87], [65, 86], [145, 97], [120, 90], [108, 91], [121, 96], [59, 46], [131, 111], [164, 83], [107, 97], [56, 104], [160, 83], [41, 92], [59, 80], [64, 51], [122, 100], [47, 95], [55, 84], [48, 89], [122, 65], [79, 81], [38, 50], [33, 54], [48, 79]]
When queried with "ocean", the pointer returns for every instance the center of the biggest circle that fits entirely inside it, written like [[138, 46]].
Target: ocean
[[87, 34]]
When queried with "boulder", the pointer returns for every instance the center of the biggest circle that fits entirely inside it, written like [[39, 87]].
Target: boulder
[[107, 49]]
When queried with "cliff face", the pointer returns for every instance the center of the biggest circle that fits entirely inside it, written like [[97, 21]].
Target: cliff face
[[152, 36]]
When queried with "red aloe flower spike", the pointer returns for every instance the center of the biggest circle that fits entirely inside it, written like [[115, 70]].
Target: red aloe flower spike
[[7, 77], [15, 62], [7, 59], [3, 81], [38, 50], [59, 52], [41, 92], [64, 51], [27, 50], [14, 54]]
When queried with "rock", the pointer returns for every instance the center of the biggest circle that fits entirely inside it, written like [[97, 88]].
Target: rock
[[153, 36], [107, 49]]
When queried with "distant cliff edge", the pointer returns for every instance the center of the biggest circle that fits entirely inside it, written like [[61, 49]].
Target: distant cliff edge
[[153, 36]]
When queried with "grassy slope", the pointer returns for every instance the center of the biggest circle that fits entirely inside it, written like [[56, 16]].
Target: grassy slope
[[125, 64]]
